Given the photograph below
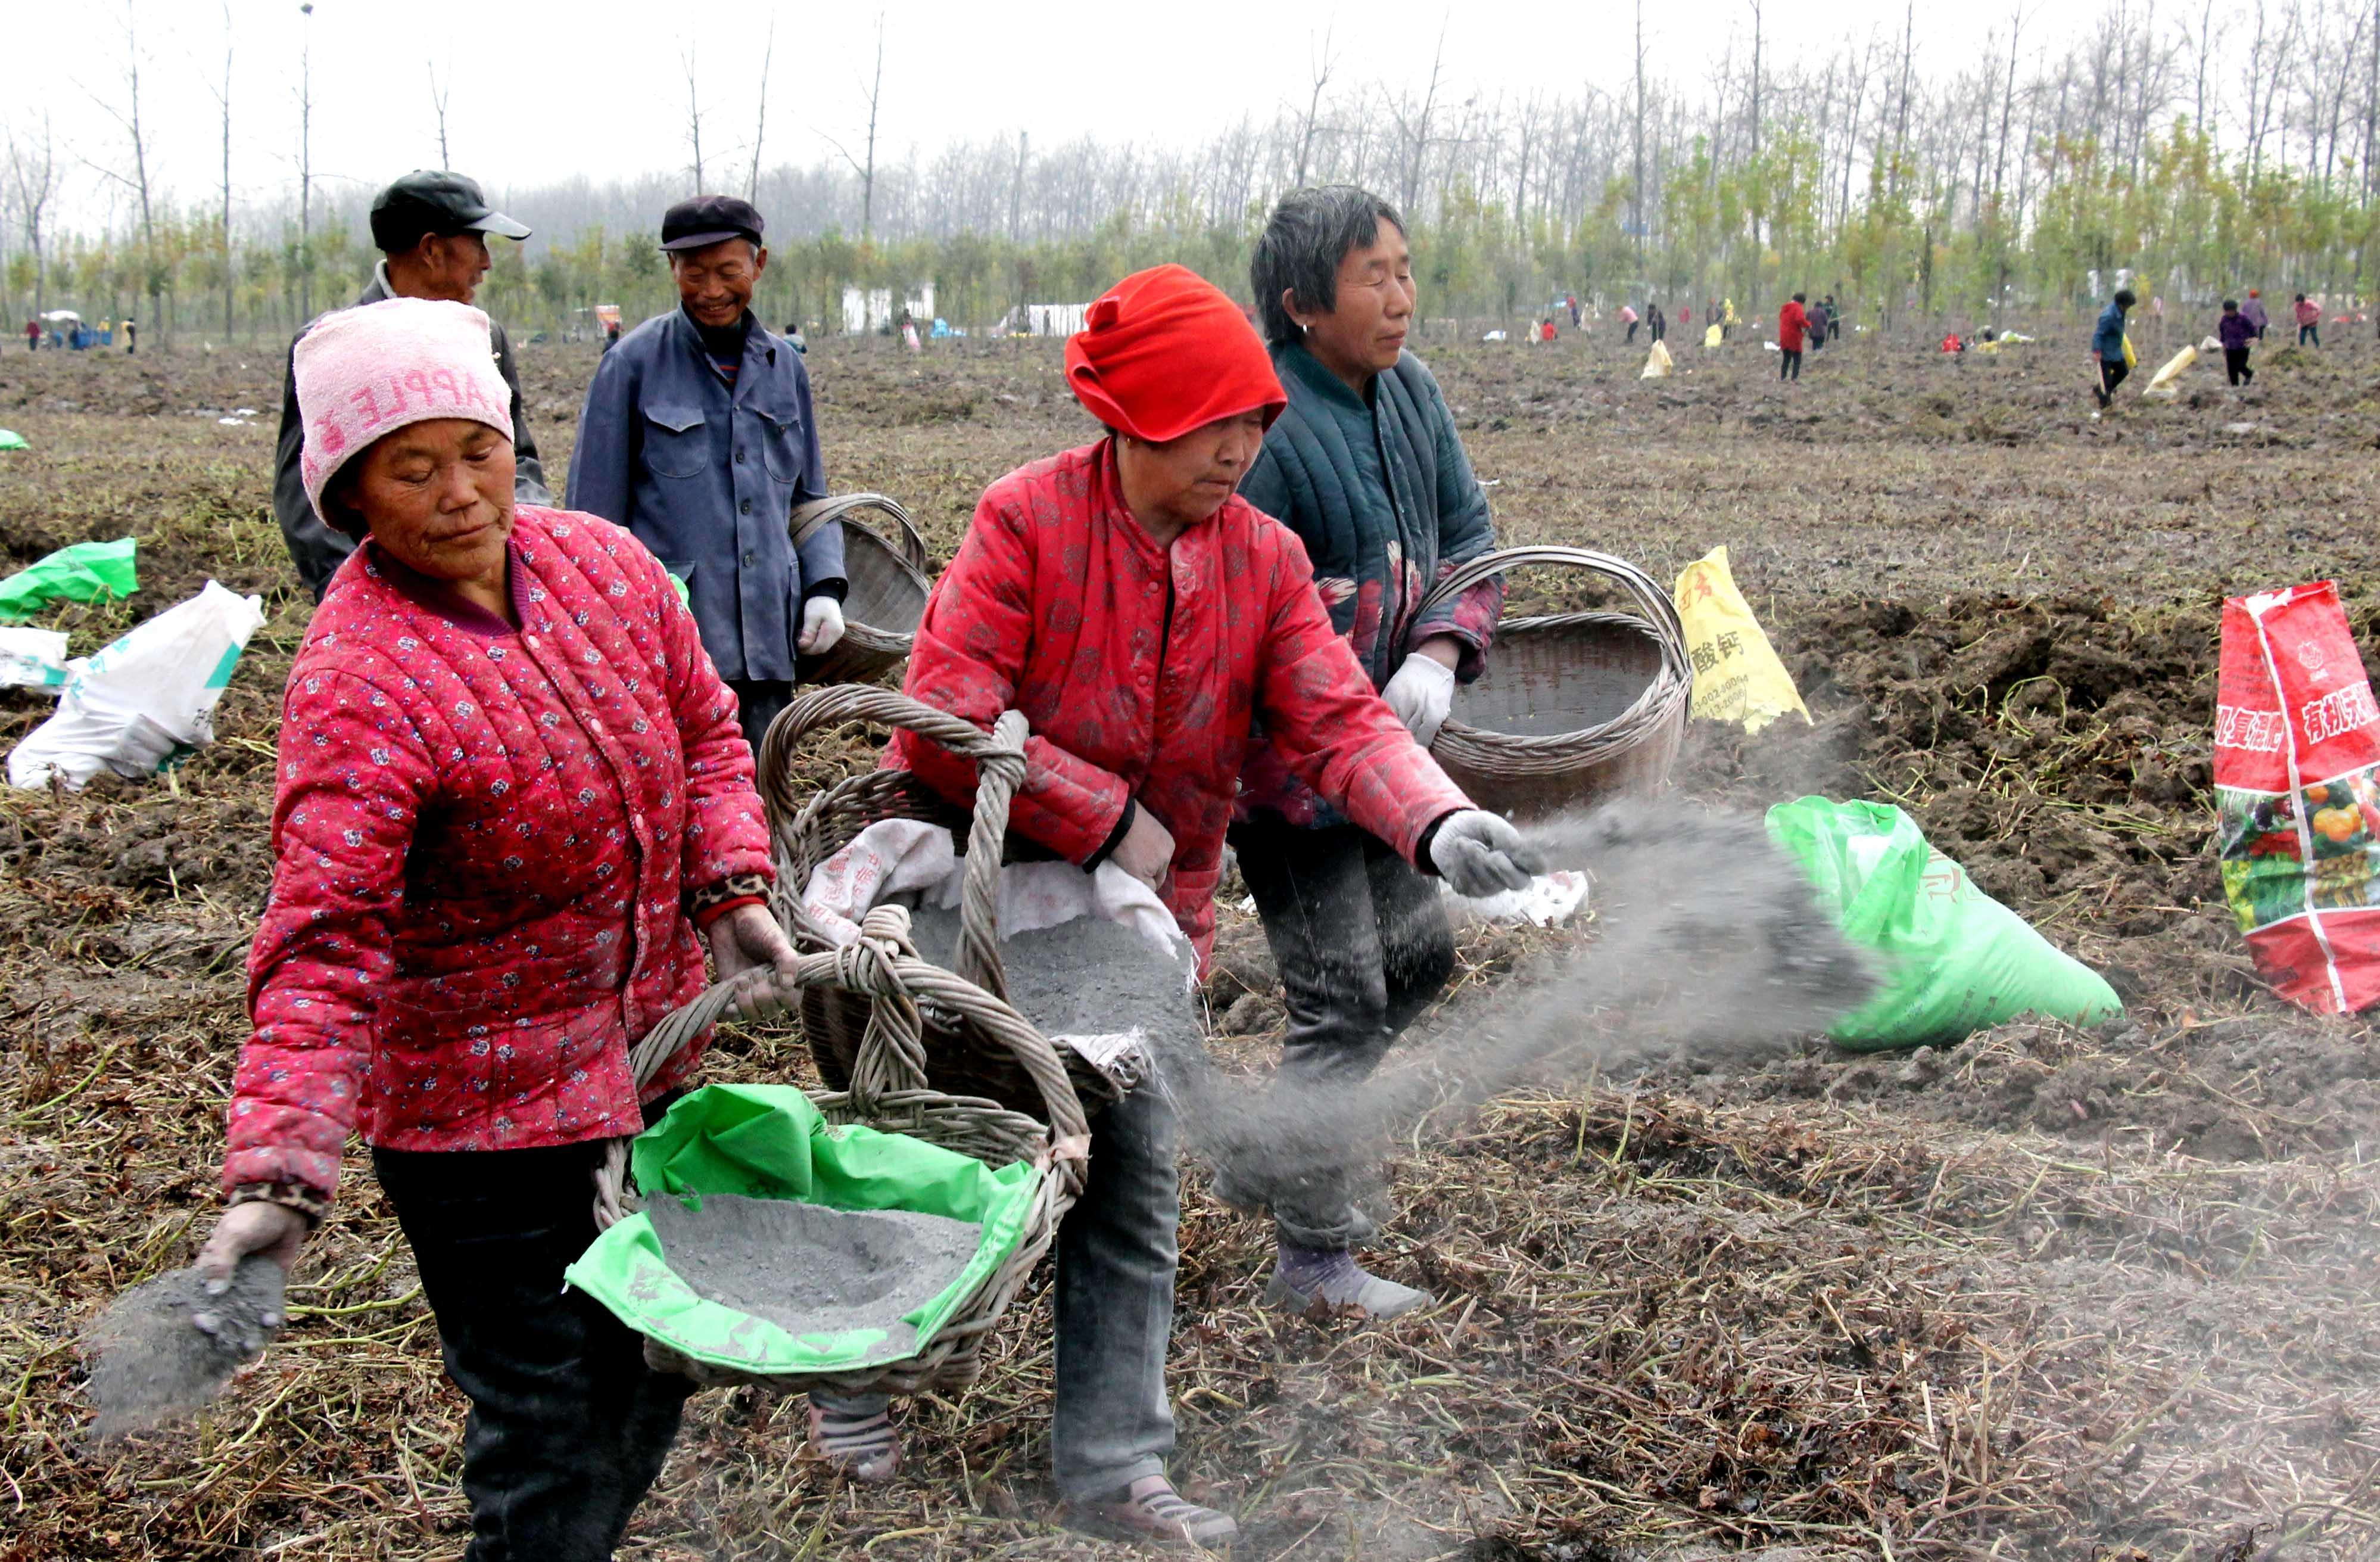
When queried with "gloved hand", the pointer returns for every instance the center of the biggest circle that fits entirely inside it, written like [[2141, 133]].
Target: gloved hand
[[747, 937], [1421, 691], [822, 626], [1480, 854]]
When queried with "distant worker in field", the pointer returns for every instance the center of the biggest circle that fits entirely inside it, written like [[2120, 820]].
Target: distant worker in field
[[32, 336], [2107, 349], [1792, 330], [432, 229], [1655, 326], [2237, 337], [1366, 468], [1817, 332], [1728, 320], [1628, 318], [1571, 300], [1834, 318], [698, 437], [2253, 312], [2309, 315], [131, 333]]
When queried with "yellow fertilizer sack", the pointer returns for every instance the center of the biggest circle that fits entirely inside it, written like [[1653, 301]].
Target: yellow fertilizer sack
[[2132, 359], [1658, 363], [2167, 382], [1712, 339], [1737, 674]]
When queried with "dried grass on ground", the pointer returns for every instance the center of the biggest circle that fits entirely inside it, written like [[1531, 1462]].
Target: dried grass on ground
[[2047, 1292]]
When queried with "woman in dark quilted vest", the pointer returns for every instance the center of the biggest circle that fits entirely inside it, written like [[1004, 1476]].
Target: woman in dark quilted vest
[[511, 791], [1365, 466]]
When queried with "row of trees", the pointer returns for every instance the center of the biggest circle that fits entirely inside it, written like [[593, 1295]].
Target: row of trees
[[2205, 156]]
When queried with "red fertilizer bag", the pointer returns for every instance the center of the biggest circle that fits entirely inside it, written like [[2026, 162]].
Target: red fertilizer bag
[[2297, 744]]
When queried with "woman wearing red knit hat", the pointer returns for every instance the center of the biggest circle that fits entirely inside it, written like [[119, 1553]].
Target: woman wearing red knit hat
[[1145, 618]]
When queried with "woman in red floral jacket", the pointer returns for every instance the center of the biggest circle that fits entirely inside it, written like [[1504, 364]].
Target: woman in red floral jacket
[[1143, 617], [511, 789]]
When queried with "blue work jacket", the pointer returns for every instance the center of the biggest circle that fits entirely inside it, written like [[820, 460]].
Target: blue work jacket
[[2107, 341], [706, 474]]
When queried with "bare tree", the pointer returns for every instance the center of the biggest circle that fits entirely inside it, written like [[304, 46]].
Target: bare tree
[[438, 93], [128, 118], [1016, 186], [866, 170], [223, 100], [306, 163], [760, 122], [1636, 183], [693, 113], [1323, 62], [32, 182], [1413, 128]]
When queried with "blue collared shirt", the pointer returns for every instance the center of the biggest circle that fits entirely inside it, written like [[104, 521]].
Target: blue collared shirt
[[706, 474]]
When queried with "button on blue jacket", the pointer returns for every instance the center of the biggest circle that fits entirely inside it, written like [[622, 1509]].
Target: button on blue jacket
[[706, 474]]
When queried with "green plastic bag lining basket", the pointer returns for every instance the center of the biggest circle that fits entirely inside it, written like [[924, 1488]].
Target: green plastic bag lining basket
[[11, 440], [81, 572], [769, 1142], [1957, 960]]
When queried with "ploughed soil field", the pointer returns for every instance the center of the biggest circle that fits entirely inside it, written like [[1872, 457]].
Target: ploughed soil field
[[2049, 1293]]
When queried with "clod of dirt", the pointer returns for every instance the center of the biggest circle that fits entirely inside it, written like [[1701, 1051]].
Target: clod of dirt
[[811, 1270], [152, 1362]]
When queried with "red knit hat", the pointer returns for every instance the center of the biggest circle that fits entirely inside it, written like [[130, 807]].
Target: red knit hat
[[1164, 352]]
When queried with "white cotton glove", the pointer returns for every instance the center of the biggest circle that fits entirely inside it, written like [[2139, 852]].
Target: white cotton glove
[[822, 626], [1479, 854], [1421, 692]]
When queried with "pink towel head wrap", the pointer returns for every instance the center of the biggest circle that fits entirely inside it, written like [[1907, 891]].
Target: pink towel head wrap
[[363, 373]]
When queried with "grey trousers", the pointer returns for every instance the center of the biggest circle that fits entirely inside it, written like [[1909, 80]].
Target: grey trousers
[[1362, 946], [1112, 1423]]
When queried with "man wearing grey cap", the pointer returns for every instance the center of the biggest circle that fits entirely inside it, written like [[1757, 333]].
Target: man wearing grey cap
[[432, 229], [697, 436]]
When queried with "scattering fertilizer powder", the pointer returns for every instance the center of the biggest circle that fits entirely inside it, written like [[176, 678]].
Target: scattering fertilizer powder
[[1088, 977], [811, 1270], [152, 1362]]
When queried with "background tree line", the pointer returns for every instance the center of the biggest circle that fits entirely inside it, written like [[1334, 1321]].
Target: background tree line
[[2207, 153]]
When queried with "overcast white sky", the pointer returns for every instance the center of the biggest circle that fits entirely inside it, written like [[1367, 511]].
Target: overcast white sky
[[545, 89]]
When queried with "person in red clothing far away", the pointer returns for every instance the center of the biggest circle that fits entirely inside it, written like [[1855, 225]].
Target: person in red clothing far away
[[511, 789], [2309, 318], [1792, 328], [1145, 618], [32, 334]]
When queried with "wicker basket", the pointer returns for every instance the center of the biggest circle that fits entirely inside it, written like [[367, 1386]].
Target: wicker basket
[[836, 1020], [889, 587], [887, 1089], [1574, 706]]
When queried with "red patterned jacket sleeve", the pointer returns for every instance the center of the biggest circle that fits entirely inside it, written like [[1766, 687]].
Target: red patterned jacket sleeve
[[726, 829], [354, 773], [1340, 736], [969, 656]]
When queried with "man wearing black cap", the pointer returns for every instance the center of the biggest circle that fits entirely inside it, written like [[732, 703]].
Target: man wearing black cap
[[431, 227], [698, 437]]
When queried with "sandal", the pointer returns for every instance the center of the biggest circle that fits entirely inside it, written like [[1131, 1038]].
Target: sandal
[[1152, 1509], [865, 1447]]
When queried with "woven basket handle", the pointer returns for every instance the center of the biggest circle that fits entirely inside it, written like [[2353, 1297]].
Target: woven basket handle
[[808, 518], [998, 756], [1651, 600], [891, 1059]]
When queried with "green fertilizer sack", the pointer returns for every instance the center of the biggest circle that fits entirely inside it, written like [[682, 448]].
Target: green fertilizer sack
[[1955, 959], [11, 440], [772, 1241], [82, 572]]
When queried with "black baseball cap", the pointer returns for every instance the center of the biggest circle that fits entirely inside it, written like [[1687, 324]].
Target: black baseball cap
[[432, 200], [707, 219]]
